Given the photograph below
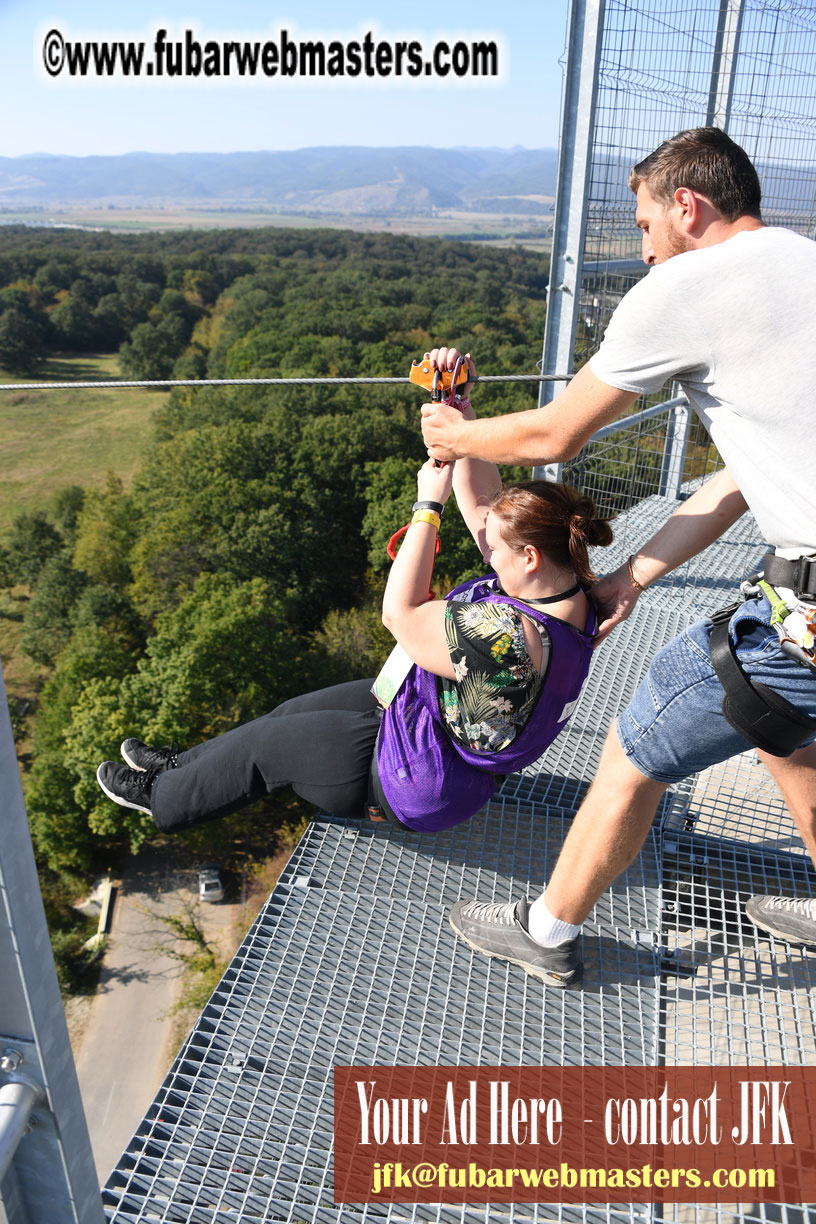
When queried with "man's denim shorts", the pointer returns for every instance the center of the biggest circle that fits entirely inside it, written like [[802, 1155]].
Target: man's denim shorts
[[674, 725]]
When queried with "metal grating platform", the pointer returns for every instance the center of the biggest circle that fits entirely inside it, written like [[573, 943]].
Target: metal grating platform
[[507, 849], [738, 1213], [242, 1126], [703, 584], [730, 995], [737, 801], [352, 961], [735, 996]]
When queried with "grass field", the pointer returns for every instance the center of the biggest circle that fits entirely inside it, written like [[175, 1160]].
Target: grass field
[[56, 438], [52, 439], [494, 229]]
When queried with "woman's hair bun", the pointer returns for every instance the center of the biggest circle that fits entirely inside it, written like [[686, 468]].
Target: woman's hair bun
[[583, 521], [583, 507], [598, 533]]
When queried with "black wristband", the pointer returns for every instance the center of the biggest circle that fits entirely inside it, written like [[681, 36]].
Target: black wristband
[[437, 507]]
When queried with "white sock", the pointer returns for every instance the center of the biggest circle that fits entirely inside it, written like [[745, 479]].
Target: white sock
[[546, 929]]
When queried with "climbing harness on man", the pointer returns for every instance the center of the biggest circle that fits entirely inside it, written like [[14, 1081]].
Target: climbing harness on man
[[763, 717]]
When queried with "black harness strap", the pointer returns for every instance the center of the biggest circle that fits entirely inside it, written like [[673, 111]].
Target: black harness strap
[[759, 714], [799, 576]]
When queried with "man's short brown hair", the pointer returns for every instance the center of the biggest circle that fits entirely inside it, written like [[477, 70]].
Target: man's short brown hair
[[707, 161]]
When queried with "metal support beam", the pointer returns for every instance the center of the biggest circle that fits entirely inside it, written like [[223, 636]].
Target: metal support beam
[[49, 1175], [674, 452], [724, 64], [572, 189], [636, 418]]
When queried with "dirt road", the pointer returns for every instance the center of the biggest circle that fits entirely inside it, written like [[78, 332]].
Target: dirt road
[[125, 1048]]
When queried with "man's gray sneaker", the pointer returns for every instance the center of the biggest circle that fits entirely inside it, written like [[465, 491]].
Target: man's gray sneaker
[[141, 756], [790, 918], [502, 931]]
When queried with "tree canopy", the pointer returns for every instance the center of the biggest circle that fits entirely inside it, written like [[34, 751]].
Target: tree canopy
[[246, 562]]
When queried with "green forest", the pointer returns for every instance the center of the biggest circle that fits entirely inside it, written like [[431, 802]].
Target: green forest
[[245, 562]]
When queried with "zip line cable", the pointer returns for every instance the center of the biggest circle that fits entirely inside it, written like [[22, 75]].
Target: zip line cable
[[262, 382]]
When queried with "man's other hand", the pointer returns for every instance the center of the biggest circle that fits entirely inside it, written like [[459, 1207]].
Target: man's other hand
[[616, 598], [441, 425]]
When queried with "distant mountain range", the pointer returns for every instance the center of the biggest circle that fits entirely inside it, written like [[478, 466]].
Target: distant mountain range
[[348, 180]]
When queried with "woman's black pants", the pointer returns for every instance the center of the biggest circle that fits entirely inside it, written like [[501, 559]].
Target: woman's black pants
[[320, 744]]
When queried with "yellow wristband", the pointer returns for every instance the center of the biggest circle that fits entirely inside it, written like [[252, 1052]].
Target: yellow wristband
[[426, 516]]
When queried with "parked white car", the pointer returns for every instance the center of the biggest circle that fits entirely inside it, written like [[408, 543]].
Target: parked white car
[[210, 887]]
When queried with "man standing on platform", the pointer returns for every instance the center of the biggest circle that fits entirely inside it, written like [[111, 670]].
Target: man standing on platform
[[725, 312]]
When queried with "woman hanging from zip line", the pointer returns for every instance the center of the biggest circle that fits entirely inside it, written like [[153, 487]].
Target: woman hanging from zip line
[[478, 686]]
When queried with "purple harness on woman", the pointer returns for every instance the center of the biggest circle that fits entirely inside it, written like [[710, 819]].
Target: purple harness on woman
[[432, 781]]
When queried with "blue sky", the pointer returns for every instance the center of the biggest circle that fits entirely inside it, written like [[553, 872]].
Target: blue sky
[[57, 115]]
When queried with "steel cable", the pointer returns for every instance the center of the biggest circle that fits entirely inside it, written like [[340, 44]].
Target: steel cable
[[262, 382]]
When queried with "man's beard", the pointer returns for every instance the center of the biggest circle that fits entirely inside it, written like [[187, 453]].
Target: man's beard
[[677, 242]]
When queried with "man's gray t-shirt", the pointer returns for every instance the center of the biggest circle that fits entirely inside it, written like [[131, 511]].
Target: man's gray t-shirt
[[733, 323]]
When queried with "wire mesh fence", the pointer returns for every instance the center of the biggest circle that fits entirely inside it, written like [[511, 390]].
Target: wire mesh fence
[[634, 463], [748, 66]]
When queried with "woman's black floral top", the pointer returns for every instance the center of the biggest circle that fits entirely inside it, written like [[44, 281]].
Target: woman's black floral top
[[496, 687]]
